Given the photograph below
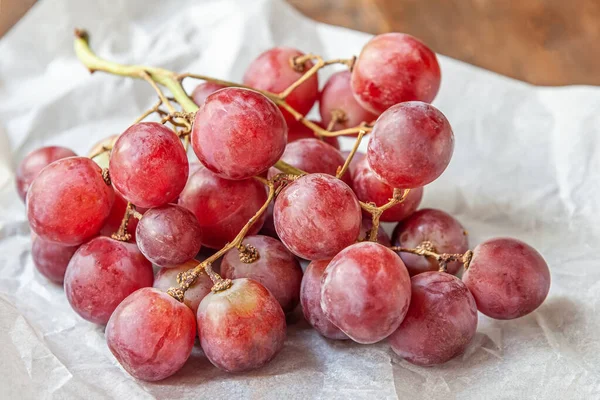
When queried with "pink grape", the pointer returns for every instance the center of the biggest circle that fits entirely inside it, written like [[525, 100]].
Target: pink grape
[[316, 216], [444, 232], [337, 96], [69, 202], [276, 269], [166, 278], [238, 133], [365, 292], [393, 68], [358, 156], [310, 297], [369, 188], [113, 222], [365, 228], [34, 162], [411, 145], [222, 206], [508, 278], [151, 334], [241, 328], [101, 274], [272, 71], [301, 131], [169, 235], [51, 259], [203, 90], [440, 323]]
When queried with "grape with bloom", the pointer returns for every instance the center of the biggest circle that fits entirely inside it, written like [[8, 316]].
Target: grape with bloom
[[51, 259]]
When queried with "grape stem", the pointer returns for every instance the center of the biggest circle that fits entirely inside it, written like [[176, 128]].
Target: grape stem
[[426, 249], [398, 196], [121, 234], [342, 170]]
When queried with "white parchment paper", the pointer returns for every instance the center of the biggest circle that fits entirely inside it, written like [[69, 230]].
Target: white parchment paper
[[526, 164]]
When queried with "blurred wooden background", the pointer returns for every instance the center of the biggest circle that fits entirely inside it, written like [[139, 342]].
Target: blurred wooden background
[[546, 42]]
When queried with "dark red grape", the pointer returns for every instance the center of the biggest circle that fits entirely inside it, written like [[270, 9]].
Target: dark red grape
[[508, 278], [365, 229], [241, 328], [101, 274], [393, 68], [203, 90], [166, 278], [238, 133], [316, 216], [440, 323], [51, 259], [151, 334], [69, 201], [34, 162], [411, 145], [365, 292], [442, 230], [301, 131], [310, 297]]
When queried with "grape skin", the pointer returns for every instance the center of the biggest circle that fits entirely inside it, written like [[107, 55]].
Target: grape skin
[[411, 145], [393, 68], [382, 237], [301, 131], [151, 334], [508, 278], [69, 202], [365, 291], [203, 90], [276, 269], [166, 278], [51, 259], [241, 328], [316, 216], [101, 274], [440, 323]]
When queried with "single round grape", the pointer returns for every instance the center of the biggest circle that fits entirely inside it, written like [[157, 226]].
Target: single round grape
[[166, 278], [117, 212], [101, 274], [365, 229], [440, 323], [365, 291], [508, 278], [411, 145], [356, 159], [238, 133], [34, 162], [310, 297], [272, 71], [148, 165], [169, 235], [151, 334], [276, 269], [241, 328], [442, 230], [203, 90], [316, 216], [51, 259], [301, 131], [393, 68], [336, 97], [69, 201], [370, 189], [222, 206]]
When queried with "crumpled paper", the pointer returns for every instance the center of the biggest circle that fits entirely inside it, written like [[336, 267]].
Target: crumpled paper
[[526, 164]]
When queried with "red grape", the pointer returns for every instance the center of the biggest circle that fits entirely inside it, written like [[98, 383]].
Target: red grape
[[203, 90], [411, 145], [316, 216], [222, 206], [393, 68], [117, 212], [272, 71], [148, 165], [151, 334], [301, 131], [358, 156], [276, 269], [69, 201], [365, 292], [337, 96], [444, 232], [440, 323], [169, 235], [51, 259], [370, 189], [508, 278], [241, 328], [365, 229], [166, 278], [310, 296], [238, 133], [101, 274], [34, 162]]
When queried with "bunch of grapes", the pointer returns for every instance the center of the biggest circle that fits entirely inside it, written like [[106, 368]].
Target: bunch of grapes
[[101, 222]]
